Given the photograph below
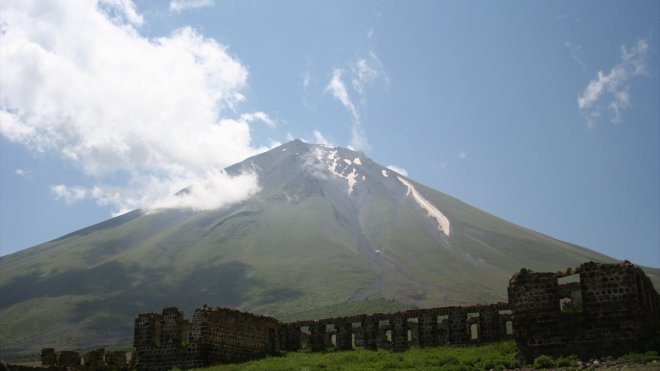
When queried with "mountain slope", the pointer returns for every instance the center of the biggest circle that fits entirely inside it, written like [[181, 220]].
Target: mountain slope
[[330, 232]]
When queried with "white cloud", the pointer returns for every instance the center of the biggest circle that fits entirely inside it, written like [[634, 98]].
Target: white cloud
[[363, 72], [399, 170], [118, 10], [202, 193], [80, 81], [180, 5], [22, 172], [69, 194], [462, 155], [337, 88], [613, 85], [367, 70], [320, 139], [258, 116]]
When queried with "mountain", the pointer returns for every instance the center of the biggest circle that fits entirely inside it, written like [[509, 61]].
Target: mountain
[[330, 232]]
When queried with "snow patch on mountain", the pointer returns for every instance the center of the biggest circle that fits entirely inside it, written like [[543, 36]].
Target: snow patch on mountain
[[384, 173], [433, 212], [350, 178], [329, 158], [357, 161]]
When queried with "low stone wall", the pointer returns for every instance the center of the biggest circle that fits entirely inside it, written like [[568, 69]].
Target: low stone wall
[[94, 360], [603, 310]]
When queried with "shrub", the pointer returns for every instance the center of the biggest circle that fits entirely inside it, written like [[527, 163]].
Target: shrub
[[570, 361], [649, 356], [543, 361]]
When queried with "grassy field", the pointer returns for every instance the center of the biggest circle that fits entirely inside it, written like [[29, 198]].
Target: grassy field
[[492, 356], [497, 356]]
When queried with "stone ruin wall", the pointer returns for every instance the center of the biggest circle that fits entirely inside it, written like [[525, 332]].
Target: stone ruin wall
[[398, 331], [221, 335], [94, 360], [215, 335], [607, 310]]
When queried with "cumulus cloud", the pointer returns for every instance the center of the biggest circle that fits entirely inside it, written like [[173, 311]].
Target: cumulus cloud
[[79, 80], [178, 6], [399, 170], [201, 194], [462, 155], [613, 86]]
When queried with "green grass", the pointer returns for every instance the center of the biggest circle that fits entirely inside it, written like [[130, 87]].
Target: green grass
[[493, 356], [496, 356]]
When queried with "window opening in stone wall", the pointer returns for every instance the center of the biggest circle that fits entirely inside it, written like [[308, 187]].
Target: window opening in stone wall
[[443, 328], [474, 331], [384, 326], [305, 334], [570, 294], [331, 333], [509, 328], [356, 328], [412, 324]]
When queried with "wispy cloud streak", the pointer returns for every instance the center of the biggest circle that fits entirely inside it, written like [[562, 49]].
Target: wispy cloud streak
[[363, 72], [178, 6], [613, 86]]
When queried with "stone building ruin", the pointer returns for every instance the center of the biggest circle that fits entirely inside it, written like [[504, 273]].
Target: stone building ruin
[[592, 311], [215, 335], [93, 360]]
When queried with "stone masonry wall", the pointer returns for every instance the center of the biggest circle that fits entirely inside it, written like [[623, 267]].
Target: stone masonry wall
[[612, 310], [221, 335], [216, 335], [93, 360], [418, 327]]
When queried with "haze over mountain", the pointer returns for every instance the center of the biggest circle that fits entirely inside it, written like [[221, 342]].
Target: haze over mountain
[[328, 232]]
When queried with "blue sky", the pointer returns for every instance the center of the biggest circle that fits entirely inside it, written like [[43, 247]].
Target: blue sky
[[543, 113]]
